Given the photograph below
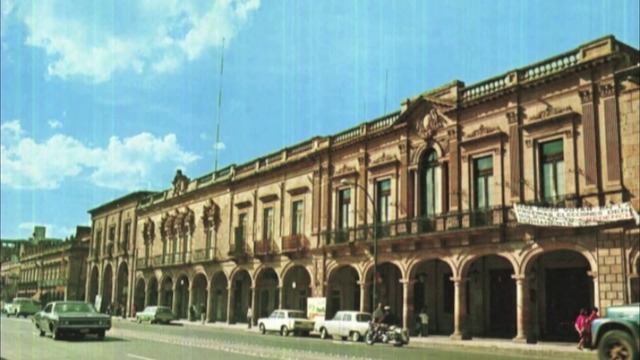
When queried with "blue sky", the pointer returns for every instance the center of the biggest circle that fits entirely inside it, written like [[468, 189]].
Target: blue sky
[[104, 97]]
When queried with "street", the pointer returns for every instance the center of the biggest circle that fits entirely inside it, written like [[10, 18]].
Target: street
[[154, 342]]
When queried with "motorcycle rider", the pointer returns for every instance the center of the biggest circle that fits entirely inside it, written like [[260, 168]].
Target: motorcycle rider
[[388, 319]]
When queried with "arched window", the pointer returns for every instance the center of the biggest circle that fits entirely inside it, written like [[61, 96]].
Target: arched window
[[430, 185]]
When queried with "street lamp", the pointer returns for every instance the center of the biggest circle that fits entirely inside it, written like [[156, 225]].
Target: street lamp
[[347, 182]]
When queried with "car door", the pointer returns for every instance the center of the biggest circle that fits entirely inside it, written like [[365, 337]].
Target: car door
[[333, 325], [345, 324], [44, 319]]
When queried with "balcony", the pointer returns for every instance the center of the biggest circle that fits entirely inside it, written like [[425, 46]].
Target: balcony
[[52, 282], [294, 244], [143, 263], [203, 254], [238, 248], [438, 224], [263, 247], [157, 260]]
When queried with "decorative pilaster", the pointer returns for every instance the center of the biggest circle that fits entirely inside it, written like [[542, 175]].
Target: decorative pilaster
[[209, 302], [514, 154], [590, 137], [459, 308], [612, 132], [253, 306], [174, 300], [280, 296]]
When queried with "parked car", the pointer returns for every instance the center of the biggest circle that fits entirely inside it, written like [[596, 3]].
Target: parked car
[[617, 335], [345, 324], [71, 318], [286, 322], [155, 314], [23, 306]]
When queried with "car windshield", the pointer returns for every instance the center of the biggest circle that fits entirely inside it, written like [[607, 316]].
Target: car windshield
[[296, 315], [75, 307], [363, 317]]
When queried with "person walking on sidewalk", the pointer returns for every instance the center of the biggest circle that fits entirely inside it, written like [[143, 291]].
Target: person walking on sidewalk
[[203, 313], [249, 315], [424, 322]]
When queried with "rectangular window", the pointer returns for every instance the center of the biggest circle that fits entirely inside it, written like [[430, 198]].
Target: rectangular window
[[344, 208], [98, 241], [125, 235], [112, 233], [383, 192], [483, 189], [267, 226], [297, 223], [551, 170]]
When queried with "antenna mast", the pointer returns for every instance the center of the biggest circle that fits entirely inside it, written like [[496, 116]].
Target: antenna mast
[[215, 145]]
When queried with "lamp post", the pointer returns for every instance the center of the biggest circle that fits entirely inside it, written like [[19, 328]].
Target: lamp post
[[346, 182]]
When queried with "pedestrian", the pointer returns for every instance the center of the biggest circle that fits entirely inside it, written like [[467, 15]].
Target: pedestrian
[[203, 313], [249, 316], [424, 322], [378, 314], [580, 327], [587, 326], [134, 310], [192, 313], [122, 312]]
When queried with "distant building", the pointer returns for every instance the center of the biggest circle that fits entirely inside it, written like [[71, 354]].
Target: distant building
[[9, 275], [48, 269]]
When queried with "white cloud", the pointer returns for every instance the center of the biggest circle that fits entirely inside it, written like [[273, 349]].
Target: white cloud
[[125, 164], [160, 35], [54, 124], [203, 136], [220, 146]]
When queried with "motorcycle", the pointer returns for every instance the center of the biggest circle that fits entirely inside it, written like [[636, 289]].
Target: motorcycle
[[386, 334]]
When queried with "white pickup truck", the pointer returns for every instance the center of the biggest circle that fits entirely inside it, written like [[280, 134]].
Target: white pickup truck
[[286, 322], [345, 324]]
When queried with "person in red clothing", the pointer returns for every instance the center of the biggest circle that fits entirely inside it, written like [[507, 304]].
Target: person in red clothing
[[580, 327], [587, 326]]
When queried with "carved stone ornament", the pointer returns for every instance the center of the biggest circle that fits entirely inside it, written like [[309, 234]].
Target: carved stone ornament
[[384, 158], [166, 226], [607, 89], [180, 183], [430, 124], [482, 130], [585, 96], [345, 169], [148, 231], [211, 215], [512, 117], [551, 111]]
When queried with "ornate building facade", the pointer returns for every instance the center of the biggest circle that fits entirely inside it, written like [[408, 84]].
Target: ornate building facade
[[422, 197]]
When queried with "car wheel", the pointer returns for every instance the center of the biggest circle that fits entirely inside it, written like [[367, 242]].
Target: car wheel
[[618, 345], [263, 330], [355, 336], [56, 334], [284, 331], [101, 335], [323, 333], [370, 338], [40, 331]]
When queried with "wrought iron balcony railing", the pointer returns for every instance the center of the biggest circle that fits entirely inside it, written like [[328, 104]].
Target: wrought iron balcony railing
[[294, 243], [263, 247]]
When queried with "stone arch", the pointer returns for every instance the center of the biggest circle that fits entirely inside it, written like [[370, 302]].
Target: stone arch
[[140, 292], [413, 264], [331, 269], [465, 262], [552, 271], [107, 288], [181, 296], [268, 291], [297, 287], [260, 271], [416, 156], [389, 288], [542, 248], [240, 296], [122, 285], [152, 287], [94, 280], [343, 290], [219, 290], [166, 291]]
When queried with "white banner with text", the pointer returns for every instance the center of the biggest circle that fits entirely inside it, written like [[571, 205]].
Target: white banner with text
[[574, 217]]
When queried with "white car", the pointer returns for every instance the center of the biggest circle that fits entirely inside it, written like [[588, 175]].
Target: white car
[[286, 322], [345, 324]]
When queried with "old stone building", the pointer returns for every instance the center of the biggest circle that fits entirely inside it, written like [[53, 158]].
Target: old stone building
[[111, 251], [53, 269], [424, 199]]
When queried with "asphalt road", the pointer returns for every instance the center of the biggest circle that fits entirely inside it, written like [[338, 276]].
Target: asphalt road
[[158, 342]]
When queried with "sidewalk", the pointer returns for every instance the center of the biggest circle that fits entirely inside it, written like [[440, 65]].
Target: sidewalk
[[565, 350]]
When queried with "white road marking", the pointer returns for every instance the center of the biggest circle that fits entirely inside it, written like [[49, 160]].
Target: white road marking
[[139, 357]]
